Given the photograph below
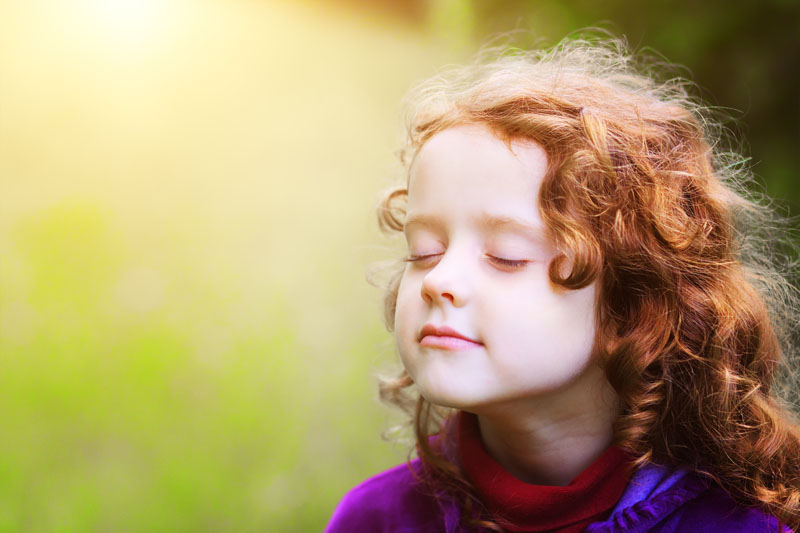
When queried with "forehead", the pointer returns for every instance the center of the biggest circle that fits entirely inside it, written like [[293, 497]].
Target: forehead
[[468, 170], [478, 144]]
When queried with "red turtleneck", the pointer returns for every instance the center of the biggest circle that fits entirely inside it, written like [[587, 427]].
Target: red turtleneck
[[519, 506]]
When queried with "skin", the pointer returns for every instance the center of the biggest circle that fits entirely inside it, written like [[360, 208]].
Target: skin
[[478, 258]]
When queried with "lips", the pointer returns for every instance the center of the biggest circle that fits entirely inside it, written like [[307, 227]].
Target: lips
[[445, 338]]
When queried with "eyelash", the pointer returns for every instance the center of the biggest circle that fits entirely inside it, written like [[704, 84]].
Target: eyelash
[[514, 264], [508, 263], [419, 258]]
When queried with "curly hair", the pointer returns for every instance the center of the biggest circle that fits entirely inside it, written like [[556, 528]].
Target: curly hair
[[697, 305]]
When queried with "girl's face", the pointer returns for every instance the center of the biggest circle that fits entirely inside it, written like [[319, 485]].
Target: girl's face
[[478, 321]]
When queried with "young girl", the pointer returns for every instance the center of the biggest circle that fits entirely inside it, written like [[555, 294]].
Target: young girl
[[591, 321]]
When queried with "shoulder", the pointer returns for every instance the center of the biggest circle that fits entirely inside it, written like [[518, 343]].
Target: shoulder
[[687, 504], [714, 510], [393, 501]]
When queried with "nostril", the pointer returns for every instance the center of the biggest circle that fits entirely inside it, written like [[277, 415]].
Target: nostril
[[442, 285], [425, 296]]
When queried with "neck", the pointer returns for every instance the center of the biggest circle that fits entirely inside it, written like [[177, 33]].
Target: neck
[[550, 439]]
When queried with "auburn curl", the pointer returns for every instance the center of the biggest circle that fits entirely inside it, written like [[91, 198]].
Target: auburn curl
[[697, 312]]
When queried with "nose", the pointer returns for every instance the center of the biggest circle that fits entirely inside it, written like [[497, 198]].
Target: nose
[[447, 281]]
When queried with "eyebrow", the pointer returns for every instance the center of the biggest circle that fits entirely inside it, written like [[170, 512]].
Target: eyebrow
[[485, 220]]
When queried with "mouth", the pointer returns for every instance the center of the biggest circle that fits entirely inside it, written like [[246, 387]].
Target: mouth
[[445, 338]]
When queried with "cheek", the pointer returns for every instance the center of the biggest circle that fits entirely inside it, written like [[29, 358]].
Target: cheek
[[402, 302], [408, 300], [569, 330], [542, 320]]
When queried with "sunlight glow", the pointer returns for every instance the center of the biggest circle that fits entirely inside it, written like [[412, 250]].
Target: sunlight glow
[[128, 22]]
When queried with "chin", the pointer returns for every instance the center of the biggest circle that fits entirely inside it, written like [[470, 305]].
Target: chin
[[437, 396], [448, 398]]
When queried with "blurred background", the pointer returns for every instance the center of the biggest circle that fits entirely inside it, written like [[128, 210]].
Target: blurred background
[[187, 339]]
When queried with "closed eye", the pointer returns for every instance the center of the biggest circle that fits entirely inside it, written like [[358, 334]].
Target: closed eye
[[423, 259], [508, 264]]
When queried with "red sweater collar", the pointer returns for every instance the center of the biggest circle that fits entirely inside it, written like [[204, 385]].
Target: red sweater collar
[[519, 506]]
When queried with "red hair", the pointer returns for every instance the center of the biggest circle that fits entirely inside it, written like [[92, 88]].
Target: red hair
[[695, 312]]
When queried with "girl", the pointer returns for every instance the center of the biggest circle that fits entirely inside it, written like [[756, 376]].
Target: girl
[[591, 323]]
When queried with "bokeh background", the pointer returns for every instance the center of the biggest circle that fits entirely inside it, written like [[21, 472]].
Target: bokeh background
[[187, 339]]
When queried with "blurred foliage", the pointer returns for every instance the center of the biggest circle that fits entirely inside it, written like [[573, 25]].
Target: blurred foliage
[[186, 337], [743, 56]]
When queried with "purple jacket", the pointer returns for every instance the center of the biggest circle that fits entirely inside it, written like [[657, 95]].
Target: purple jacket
[[656, 499]]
